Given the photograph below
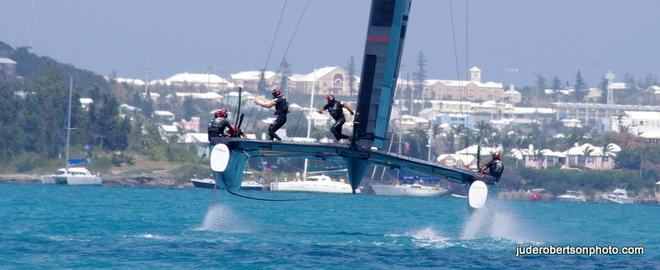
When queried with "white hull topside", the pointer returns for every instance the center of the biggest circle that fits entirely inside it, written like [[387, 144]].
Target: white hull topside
[[619, 200], [74, 180], [312, 186], [568, 198], [72, 176], [408, 190]]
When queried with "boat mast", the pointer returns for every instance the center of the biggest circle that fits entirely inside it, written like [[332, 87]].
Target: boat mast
[[68, 124], [309, 120]]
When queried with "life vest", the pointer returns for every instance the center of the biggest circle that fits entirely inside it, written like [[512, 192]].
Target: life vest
[[216, 128], [281, 106], [335, 110]]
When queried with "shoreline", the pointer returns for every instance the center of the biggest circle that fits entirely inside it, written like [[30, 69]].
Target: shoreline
[[141, 180], [161, 180]]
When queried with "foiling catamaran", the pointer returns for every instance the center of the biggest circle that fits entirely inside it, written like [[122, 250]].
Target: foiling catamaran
[[384, 45]]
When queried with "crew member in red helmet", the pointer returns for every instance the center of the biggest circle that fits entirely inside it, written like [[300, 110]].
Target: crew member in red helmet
[[494, 168], [281, 110], [218, 127], [335, 109]]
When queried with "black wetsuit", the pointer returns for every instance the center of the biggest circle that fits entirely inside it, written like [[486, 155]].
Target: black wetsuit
[[495, 169], [336, 111], [281, 110], [216, 129]]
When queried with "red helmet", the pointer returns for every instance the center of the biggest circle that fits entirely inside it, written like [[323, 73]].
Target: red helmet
[[277, 92], [496, 155], [330, 98], [220, 113]]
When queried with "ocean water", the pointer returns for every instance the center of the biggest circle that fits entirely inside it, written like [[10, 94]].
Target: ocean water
[[48, 226]]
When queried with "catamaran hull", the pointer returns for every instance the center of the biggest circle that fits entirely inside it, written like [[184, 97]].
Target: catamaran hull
[[390, 190], [47, 179], [79, 180], [303, 186]]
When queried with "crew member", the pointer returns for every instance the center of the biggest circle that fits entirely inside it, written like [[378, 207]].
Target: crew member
[[218, 127], [494, 168], [281, 110], [335, 108]]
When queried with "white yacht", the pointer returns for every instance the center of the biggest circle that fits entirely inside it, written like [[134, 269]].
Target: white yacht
[[413, 190], [316, 183], [618, 195], [71, 175], [572, 196]]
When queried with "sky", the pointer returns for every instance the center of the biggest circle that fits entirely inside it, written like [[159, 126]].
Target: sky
[[512, 41]]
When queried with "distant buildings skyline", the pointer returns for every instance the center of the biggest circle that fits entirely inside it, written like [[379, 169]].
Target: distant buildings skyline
[[513, 40]]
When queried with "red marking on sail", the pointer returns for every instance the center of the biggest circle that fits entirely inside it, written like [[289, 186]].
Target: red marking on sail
[[379, 39]]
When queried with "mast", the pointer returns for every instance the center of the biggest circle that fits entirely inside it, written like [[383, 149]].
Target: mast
[[309, 120], [68, 124]]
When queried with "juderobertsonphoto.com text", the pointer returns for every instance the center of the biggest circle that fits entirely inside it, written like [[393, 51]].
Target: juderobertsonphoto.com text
[[579, 250]]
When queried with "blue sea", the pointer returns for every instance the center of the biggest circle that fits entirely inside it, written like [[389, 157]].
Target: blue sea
[[49, 226]]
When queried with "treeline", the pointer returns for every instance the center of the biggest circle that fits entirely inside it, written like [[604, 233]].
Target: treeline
[[34, 109], [31, 66], [636, 90]]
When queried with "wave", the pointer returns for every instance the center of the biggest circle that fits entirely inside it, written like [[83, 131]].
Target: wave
[[495, 221], [220, 218], [424, 237]]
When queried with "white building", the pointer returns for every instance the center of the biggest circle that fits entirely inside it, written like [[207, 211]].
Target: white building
[[643, 124], [329, 80], [512, 95], [250, 79], [458, 161], [197, 81], [474, 89]]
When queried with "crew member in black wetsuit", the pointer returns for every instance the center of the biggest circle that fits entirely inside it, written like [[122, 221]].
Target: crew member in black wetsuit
[[335, 108], [494, 168], [281, 110], [218, 127]]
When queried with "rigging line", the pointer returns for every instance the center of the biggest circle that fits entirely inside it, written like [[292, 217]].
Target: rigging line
[[467, 74], [264, 199], [272, 44], [295, 30], [453, 34], [277, 29]]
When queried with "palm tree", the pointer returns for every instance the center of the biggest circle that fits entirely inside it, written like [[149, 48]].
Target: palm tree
[[587, 151]]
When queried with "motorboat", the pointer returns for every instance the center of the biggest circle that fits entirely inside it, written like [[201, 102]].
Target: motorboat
[[203, 182], [251, 185], [572, 196], [618, 196], [414, 190], [315, 183]]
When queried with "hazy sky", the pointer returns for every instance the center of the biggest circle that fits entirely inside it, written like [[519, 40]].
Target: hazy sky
[[534, 37]]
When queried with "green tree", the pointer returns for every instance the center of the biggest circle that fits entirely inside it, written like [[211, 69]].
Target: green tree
[[351, 76], [556, 83], [419, 76], [261, 87], [188, 108], [604, 82], [284, 72], [580, 87]]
